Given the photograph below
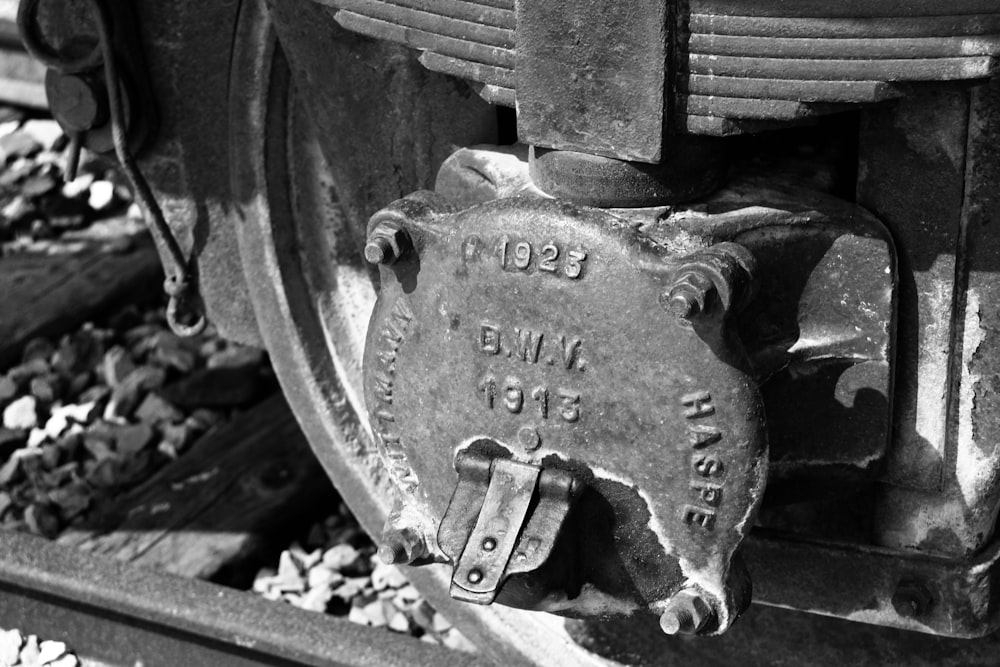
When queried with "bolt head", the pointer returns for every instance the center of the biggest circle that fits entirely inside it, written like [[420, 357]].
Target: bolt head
[[379, 251], [683, 303], [911, 599], [391, 554], [678, 622], [688, 297], [686, 613], [78, 102], [401, 546], [386, 244]]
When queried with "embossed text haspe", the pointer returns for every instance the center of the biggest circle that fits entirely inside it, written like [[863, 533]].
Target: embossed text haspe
[[707, 468]]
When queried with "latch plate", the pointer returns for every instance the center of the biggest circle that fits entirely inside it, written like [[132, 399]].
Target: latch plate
[[490, 546]]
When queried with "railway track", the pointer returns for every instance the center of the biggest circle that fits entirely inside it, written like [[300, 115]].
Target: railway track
[[115, 614], [128, 583]]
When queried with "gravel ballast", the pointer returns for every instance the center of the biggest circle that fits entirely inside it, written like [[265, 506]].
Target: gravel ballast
[[90, 414]]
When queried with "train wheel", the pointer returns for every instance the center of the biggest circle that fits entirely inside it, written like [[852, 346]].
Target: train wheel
[[300, 229], [313, 295]]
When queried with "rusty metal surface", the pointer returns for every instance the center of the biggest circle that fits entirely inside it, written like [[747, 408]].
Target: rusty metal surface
[[578, 90], [813, 340], [769, 637], [473, 39], [952, 597], [912, 176], [729, 66], [311, 341], [187, 49], [851, 385], [500, 333], [520, 556], [486, 552], [820, 346], [931, 175], [695, 167]]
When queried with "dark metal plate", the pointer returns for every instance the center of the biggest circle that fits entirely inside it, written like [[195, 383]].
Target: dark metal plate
[[533, 329]]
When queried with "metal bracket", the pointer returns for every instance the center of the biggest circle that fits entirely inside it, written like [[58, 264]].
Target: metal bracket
[[503, 519], [890, 587]]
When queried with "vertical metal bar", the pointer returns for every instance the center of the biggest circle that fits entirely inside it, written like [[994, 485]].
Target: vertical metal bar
[[928, 170]]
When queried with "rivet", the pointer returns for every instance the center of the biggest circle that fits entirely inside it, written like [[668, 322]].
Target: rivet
[[475, 576], [489, 544], [529, 438], [911, 599]]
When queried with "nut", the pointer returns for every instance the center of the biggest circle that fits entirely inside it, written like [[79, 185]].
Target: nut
[[686, 613], [911, 599], [401, 546], [690, 295], [386, 244]]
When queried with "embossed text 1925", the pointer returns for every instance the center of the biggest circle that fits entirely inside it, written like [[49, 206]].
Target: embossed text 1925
[[548, 258]]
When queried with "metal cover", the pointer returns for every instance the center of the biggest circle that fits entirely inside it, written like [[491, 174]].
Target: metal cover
[[533, 329]]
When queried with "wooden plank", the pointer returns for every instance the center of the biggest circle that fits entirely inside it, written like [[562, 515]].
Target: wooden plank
[[48, 295], [250, 481]]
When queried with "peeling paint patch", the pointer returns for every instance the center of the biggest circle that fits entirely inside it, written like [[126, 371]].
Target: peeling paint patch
[[975, 465]]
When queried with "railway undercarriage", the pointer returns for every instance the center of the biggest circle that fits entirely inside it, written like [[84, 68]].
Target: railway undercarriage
[[707, 319]]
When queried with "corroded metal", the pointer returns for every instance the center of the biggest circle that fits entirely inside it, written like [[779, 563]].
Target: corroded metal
[[501, 334], [686, 613], [932, 175], [799, 330], [955, 597], [696, 166], [505, 520], [707, 67], [285, 191], [449, 345]]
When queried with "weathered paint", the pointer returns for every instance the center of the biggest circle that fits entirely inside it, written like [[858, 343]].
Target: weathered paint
[[944, 474]]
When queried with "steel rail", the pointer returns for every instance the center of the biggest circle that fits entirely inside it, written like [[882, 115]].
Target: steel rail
[[117, 614], [21, 78]]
